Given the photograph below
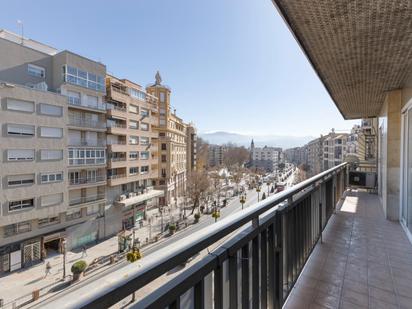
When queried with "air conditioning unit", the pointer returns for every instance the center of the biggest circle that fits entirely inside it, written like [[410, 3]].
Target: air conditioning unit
[[122, 197], [132, 194]]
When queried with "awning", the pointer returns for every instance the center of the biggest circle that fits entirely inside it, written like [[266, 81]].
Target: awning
[[140, 198]]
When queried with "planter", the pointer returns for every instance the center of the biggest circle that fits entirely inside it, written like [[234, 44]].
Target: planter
[[77, 276]]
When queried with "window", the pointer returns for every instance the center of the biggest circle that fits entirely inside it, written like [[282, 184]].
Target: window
[[51, 132], [18, 228], [133, 155], [133, 124], [133, 109], [162, 111], [20, 180], [133, 170], [162, 122], [162, 97], [164, 158], [144, 170], [164, 147], [35, 70], [81, 78], [51, 110], [144, 141], [22, 204], [163, 172], [74, 97], [86, 156], [20, 130], [20, 106], [51, 199], [144, 155], [133, 140], [51, 177], [144, 112], [92, 101], [137, 94], [20, 154], [48, 154], [144, 126], [74, 214]]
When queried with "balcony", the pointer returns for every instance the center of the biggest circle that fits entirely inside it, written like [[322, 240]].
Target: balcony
[[116, 111], [88, 143], [87, 123], [117, 162], [83, 200], [117, 146], [116, 128], [364, 261], [252, 258], [77, 103], [114, 180], [84, 182]]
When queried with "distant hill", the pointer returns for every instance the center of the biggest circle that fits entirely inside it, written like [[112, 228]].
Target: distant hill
[[221, 137]]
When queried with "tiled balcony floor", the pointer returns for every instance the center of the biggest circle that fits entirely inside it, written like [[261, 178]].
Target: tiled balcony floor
[[364, 261]]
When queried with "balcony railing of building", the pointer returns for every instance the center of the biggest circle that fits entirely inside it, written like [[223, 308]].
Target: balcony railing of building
[[116, 176], [86, 199], [115, 107], [82, 181], [117, 159], [119, 142], [116, 125], [268, 244], [78, 102], [87, 161], [88, 143], [86, 123]]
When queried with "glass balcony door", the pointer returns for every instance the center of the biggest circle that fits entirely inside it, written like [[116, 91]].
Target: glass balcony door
[[406, 206]]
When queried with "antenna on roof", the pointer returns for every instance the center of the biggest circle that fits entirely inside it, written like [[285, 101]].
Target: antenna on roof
[[19, 22]]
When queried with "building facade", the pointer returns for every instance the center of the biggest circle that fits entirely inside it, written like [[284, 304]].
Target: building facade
[[172, 132], [54, 160], [191, 148], [132, 154], [334, 149], [315, 156], [215, 155], [265, 158]]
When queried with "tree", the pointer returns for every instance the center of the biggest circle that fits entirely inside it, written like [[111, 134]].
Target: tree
[[202, 154], [235, 156], [197, 185], [281, 166], [237, 176]]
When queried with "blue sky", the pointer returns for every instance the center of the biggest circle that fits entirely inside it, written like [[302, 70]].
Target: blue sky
[[232, 64]]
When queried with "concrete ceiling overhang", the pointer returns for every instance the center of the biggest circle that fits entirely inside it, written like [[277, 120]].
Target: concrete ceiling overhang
[[360, 49]]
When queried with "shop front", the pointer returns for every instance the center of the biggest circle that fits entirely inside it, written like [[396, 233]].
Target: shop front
[[52, 244], [133, 218]]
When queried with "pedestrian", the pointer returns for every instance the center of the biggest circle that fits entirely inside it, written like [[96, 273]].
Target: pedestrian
[[48, 269], [84, 252]]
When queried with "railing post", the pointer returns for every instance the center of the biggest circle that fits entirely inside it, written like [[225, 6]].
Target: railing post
[[263, 269], [271, 267], [245, 276], [320, 212], [218, 286], [255, 272], [199, 295], [233, 287], [278, 262]]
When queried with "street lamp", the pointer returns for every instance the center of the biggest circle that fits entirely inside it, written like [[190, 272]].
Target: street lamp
[[242, 199], [63, 248], [258, 191]]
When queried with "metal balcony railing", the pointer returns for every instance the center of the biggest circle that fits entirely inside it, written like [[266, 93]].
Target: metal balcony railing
[[90, 143], [86, 199], [268, 243], [116, 125], [79, 122], [77, 102], [81, 181], [117, 159], [116, 176]]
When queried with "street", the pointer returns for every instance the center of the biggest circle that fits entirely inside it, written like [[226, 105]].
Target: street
[[233, 206]]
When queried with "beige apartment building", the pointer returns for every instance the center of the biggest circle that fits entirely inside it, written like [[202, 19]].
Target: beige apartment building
[[132, 145], [172, 145], [53, 167], [315, 156], [191, 148]]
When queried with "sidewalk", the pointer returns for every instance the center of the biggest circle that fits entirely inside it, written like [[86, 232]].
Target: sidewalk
[[24, 281]]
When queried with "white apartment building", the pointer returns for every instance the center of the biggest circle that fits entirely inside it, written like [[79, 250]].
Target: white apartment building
[[334, 149], [265, 157]]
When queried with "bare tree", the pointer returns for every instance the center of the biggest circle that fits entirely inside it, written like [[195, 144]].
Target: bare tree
[[202, 154], [237, 176], [235, 156], [197, 185]]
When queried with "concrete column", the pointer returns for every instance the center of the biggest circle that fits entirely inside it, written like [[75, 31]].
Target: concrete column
[[390, 154]]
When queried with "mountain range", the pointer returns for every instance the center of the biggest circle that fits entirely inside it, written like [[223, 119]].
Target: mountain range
[[222, 137]]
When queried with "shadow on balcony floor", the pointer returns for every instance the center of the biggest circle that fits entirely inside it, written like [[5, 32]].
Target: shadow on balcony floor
[[364, 261]]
